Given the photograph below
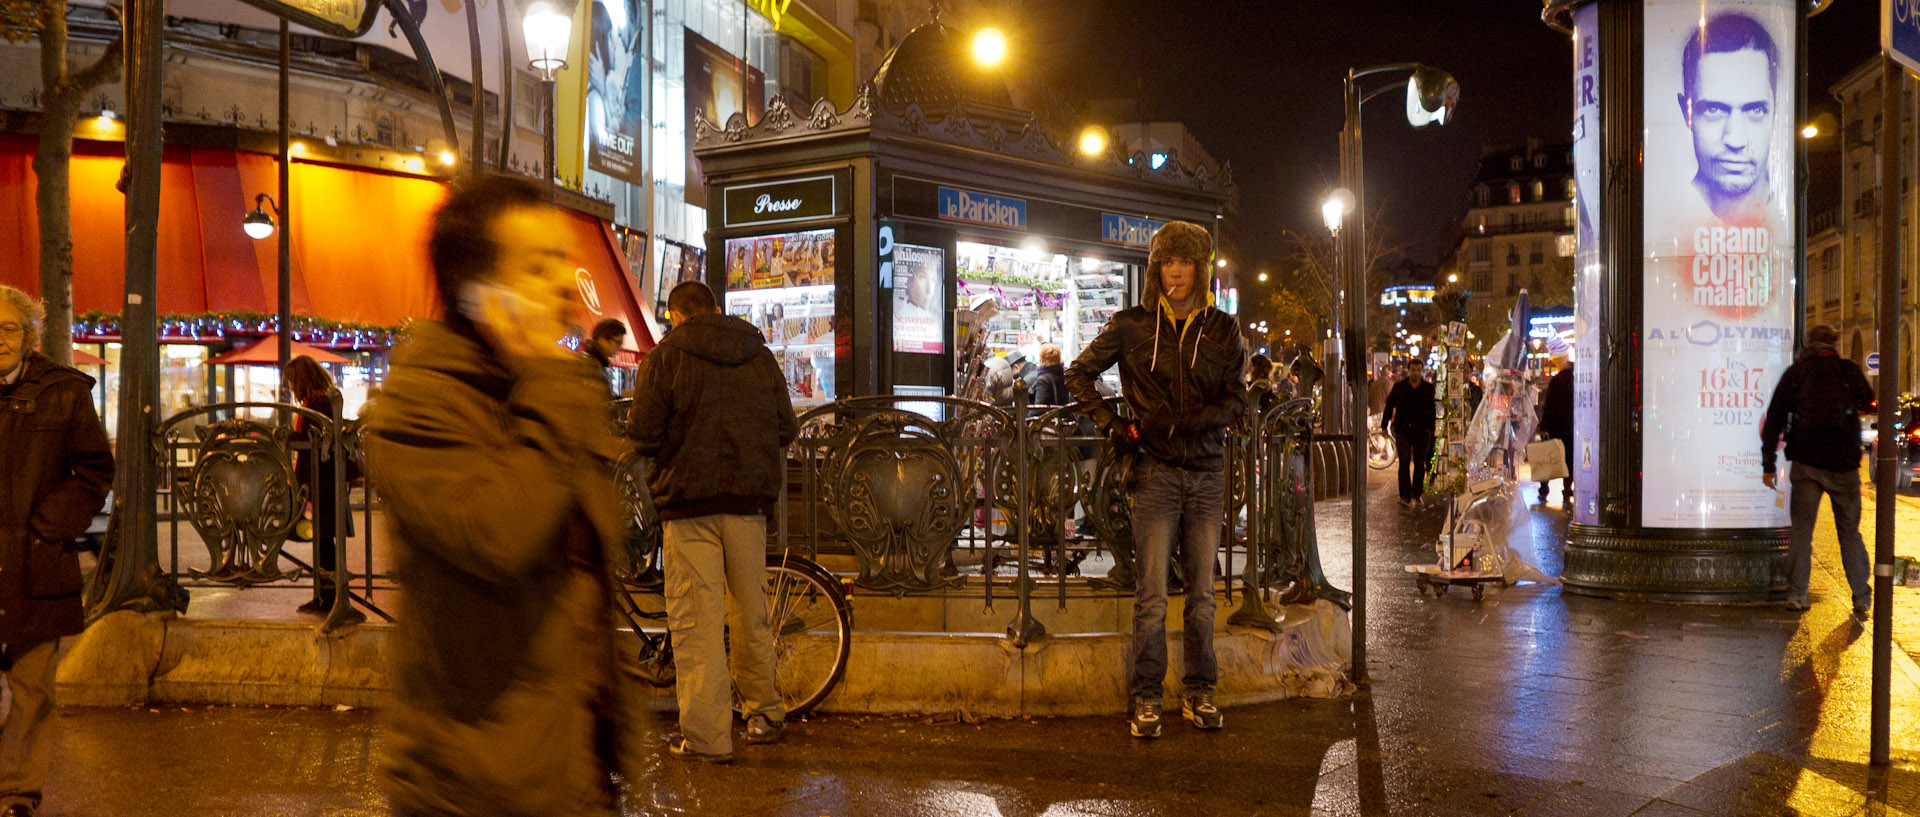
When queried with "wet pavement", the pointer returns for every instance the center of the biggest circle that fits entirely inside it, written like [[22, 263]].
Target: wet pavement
[[1529, 702]]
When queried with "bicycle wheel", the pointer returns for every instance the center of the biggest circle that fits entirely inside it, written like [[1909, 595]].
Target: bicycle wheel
[[812, 625], [1380, 450]]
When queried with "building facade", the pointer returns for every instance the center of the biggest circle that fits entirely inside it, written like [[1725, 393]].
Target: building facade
[[1843, 245], [1516, 232]]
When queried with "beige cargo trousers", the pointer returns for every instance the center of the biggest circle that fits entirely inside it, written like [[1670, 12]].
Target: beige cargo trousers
[[716, 575]]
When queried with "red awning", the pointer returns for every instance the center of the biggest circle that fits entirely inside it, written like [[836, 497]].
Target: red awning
[[82, 357], [359, 240], [266, 352]]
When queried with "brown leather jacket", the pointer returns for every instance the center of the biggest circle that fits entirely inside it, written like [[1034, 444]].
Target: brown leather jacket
[[498, 491], [57, 469]]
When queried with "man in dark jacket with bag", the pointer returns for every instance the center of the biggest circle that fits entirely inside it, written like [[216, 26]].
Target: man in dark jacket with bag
[[491, 455], [57, 469], [1409, 413], [1817, 405], [711, 408], [1181, 362]]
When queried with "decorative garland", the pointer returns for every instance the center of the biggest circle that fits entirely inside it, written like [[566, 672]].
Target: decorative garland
[[1036, 284], [217, 326]]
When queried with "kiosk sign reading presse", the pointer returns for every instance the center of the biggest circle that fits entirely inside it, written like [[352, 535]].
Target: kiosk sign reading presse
[[1719, 248]]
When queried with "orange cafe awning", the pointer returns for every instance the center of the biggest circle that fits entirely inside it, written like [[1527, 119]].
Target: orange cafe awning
[[359, 239]]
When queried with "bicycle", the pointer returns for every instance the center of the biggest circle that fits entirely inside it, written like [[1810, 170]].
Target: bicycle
[[1381, 452], [808, 610]]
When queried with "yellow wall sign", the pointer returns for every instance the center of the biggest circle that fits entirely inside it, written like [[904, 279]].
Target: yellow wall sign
[[771, 9]]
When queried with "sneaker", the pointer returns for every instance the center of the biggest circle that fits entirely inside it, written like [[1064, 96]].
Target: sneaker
[[1799, 604], [762, 729], [679, 748], [1146, 719], [1861, 613], [1199, 710]]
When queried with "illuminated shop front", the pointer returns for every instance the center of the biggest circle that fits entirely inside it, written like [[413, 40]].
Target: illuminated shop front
[[853, 236]]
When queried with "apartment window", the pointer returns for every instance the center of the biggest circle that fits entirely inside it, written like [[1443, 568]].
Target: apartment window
[[1539, 161], [1513, 255], [1517, 163], [1483, 251], [1571, 190], [1513, 192], [1482, 196], [1539, 190], [1536, 253], [1482, 279]]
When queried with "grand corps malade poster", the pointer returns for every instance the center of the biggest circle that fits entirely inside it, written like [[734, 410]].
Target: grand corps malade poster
[[1719, 244]]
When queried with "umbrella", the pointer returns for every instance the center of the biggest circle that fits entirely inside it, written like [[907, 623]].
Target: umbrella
[[267, 353]]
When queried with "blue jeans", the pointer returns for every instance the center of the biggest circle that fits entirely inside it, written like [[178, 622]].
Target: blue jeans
[[1843, 491], [1170, 505]]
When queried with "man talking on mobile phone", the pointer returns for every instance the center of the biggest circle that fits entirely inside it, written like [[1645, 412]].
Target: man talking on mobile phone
[[492, 458]]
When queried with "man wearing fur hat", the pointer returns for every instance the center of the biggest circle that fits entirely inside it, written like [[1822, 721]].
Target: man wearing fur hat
[[1180, 365], [1816, 407]]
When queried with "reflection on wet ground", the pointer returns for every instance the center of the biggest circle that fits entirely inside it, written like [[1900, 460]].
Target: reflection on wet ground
[[1529, 702]]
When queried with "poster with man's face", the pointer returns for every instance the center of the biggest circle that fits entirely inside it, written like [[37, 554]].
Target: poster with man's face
[[1719, 255], [919, 296], [616, 88]]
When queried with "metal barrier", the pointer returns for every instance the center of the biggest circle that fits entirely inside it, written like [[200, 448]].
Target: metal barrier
[[907, 488], [236, 483]]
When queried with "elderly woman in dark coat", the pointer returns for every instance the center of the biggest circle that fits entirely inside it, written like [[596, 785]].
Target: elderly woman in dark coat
[[57, 467]]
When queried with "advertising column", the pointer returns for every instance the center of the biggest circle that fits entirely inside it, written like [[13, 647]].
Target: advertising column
[[1718, 256], [1583, 458]]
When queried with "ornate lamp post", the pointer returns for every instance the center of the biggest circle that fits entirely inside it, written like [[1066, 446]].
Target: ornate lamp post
[[1431, 95], [547, 33]]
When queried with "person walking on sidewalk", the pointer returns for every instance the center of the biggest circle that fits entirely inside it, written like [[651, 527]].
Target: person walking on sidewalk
[[58, 466], [1556, 423], [1180, 372], [491, 455], [1817, 406], [710, 406], [1409, 413]]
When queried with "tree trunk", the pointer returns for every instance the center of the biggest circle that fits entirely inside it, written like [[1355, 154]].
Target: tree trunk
[[60, 102]]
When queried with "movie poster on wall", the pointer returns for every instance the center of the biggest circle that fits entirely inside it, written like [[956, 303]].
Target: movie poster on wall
[[1583, 456], [719, 85], [616, 105], [919, 296], [1719, 256]]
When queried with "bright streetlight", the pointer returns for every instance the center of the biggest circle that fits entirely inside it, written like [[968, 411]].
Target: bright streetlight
[[258, 224], [989, 47], [1335, 209], [547, 33], [1093, 141], [1263, 277], [1453, 278]]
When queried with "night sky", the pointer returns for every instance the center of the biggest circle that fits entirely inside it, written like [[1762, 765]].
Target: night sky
[[1259, 84]]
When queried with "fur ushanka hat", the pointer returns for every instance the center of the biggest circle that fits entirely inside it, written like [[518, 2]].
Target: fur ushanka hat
[[1186, 240]]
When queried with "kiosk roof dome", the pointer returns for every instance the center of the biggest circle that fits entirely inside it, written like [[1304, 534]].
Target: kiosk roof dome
[[931, 67]]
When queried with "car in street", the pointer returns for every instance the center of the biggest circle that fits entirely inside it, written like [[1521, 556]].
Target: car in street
[[1906, 429]]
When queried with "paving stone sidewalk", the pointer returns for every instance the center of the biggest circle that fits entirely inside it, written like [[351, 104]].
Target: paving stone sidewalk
[[1530, 702]]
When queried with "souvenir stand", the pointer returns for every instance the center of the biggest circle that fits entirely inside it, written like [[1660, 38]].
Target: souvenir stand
[[1474, 462]]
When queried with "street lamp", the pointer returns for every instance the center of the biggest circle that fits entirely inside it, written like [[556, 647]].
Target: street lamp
[[1093, 141], [257, 224], [1263, 277], [989, 47], [1431, 96], [547, 33]]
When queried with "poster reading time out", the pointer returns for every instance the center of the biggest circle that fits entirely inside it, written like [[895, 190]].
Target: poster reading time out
[[1719, 251]]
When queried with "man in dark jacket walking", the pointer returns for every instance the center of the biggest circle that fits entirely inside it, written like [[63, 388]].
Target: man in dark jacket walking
[[711, 408], [1180, 362], [491, 455], [57, 467], [1556, 423], [1816, 405], [1409, 413]]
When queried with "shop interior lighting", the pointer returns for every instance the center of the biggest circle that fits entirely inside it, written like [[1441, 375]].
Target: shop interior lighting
[[1089, 263], [1156, 160], [447, 157]]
